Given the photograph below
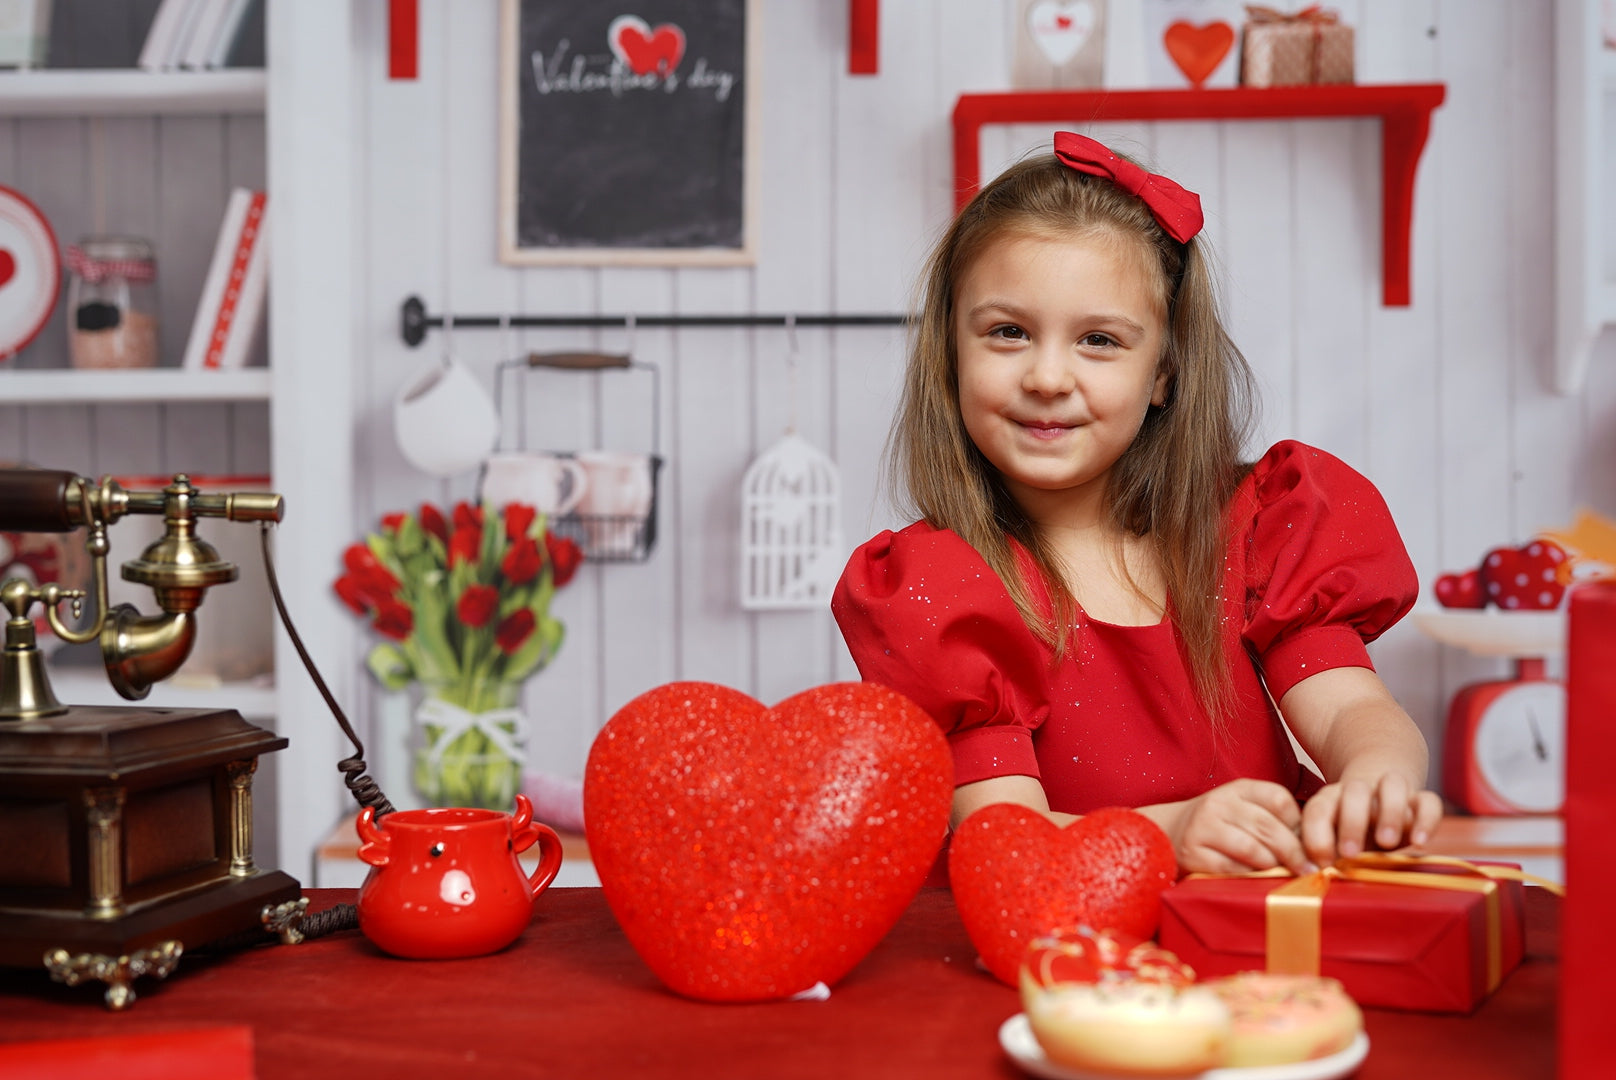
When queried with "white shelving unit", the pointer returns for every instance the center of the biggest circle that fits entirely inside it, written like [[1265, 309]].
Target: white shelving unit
[[19, 387], [1585, 160], [132, 93], [308, 99]]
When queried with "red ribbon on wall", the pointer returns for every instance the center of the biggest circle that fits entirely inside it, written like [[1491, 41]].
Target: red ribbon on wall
[[863, 37], [403, 38]]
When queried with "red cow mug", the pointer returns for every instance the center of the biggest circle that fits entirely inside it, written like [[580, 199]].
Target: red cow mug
[[445, 882]]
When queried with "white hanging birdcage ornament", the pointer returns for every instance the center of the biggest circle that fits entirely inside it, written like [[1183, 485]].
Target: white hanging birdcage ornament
[[791, 536]]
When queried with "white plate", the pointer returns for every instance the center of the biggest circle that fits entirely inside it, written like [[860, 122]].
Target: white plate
[[1015, 1035], [1490, 632], [30, 272]]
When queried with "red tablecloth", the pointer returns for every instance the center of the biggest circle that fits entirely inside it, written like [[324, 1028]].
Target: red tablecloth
[[571, 999]]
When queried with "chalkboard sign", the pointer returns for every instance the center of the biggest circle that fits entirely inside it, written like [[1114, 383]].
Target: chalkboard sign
[[627, 132]]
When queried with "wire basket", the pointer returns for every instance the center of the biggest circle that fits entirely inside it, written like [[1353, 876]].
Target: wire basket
[[602, 536]]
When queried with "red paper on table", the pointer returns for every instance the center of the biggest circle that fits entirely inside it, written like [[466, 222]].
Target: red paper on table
[[220, 1053], [1392, 946]]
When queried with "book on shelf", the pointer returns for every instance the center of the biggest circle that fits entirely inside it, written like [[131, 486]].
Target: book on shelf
[[231, 311], [163, 38], [194, 35], [24, 33], [197, 48]]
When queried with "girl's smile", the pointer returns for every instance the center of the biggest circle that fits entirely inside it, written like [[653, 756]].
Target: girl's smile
[[1058, 341]]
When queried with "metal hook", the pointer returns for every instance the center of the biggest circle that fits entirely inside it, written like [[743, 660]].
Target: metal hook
[[791, 368]]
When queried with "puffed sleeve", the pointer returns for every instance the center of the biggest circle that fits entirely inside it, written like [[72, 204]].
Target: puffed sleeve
[[923, 613], [1325, 569]]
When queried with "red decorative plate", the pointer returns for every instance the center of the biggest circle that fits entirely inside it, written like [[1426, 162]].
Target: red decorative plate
[[30, 272]]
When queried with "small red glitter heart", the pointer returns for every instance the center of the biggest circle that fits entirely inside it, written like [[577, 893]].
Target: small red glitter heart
[[1018, 876], [749, 853]]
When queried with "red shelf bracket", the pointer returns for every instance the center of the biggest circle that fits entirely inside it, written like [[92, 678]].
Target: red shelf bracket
[[863, 37], [1404, 112]]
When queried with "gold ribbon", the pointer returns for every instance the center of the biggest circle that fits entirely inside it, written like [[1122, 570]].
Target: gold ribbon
[[1295, 910]]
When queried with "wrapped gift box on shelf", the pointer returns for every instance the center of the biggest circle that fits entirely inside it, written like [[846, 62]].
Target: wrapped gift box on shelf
[[1400, 946], [1311, 47]]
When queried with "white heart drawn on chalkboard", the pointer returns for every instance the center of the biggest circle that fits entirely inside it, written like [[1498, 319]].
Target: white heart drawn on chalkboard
[[1060, 29], [645, 51]]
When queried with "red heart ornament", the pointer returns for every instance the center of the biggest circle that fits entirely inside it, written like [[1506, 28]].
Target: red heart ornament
[[8, 266], [1524, 578], [1460, 590], [1018, 876], [1198, 50], [645, 51], [749, 853]]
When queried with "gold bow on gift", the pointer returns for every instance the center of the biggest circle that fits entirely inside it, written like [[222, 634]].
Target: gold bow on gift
[[1260, 13], [1295, 910]]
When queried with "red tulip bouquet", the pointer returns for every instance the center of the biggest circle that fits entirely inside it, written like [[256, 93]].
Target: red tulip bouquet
[[464, 603]]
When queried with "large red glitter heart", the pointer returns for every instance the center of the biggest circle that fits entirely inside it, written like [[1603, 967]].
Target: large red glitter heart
[[1017, 875], [749, 853]]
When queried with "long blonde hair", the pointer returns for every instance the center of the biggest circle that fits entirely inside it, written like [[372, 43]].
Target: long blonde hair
[[1173, 483]]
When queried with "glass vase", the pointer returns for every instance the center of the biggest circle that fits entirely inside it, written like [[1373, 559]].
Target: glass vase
[[470, 748]]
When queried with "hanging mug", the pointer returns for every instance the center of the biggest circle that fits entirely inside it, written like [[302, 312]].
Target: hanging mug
[[552, 484], [445, 882], [445, 421], [617, 501]]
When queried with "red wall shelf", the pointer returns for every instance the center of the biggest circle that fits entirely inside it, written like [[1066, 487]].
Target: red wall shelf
[[1405, 121]]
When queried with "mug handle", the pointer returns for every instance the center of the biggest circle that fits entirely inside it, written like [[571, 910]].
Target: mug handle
[[375, 843], [524, 831], [549, 857], [573, 468]]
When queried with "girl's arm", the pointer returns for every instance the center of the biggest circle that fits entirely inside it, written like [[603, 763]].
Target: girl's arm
[[1374, 761], [1238, 826]]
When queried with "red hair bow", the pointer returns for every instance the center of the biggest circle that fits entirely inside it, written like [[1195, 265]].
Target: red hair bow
[[1176, 210]]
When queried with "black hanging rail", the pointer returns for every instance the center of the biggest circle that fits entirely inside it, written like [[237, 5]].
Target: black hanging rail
[[416, 321]]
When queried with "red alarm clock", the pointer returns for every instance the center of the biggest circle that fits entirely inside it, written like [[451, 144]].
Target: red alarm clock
[[1505, 746]]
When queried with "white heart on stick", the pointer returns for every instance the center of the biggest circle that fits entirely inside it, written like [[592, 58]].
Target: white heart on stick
[[1060, 28]]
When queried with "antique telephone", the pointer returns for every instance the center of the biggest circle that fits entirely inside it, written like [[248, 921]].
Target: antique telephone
[[126, 833]]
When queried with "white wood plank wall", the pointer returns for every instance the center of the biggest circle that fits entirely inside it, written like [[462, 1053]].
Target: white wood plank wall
[[1445, 404]]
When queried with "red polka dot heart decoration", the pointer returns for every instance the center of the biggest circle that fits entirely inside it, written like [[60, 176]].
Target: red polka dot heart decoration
[[750, 853], [1018, 876]]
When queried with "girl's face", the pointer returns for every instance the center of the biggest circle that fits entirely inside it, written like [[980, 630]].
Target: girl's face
[[1058, 340]]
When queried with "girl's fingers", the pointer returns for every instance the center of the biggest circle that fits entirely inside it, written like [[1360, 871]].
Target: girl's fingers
[[1318, 825], [1352, 817], [1395, 811], [1427, 816]]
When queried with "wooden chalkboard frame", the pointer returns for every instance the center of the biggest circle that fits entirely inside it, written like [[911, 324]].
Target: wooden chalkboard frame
[[515, 250]]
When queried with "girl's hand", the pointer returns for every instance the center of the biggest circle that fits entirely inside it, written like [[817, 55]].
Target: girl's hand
[[1239, 826], [1357, 815]]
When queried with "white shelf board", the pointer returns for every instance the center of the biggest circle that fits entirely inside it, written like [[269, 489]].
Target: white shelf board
[[254, 700], [131, 92], [66, 386]]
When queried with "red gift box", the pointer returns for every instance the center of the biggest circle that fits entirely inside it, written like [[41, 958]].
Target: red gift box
[[1394, 945]]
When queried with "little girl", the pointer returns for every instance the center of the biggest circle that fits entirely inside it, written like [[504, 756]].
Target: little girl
[[1102, 605]]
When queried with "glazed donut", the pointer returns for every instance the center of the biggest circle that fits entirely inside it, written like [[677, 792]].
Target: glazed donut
[[1113, 1002], [1080, 954], [1129, 1027], [1280, 1019]]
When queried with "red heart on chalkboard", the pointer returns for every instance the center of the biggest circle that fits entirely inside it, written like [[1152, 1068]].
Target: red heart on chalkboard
[[1198, 50], [8, 267], [749, 853], [645, 51]]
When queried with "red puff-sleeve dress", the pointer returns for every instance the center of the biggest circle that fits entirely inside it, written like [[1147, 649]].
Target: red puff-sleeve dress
[[1315, 571]]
